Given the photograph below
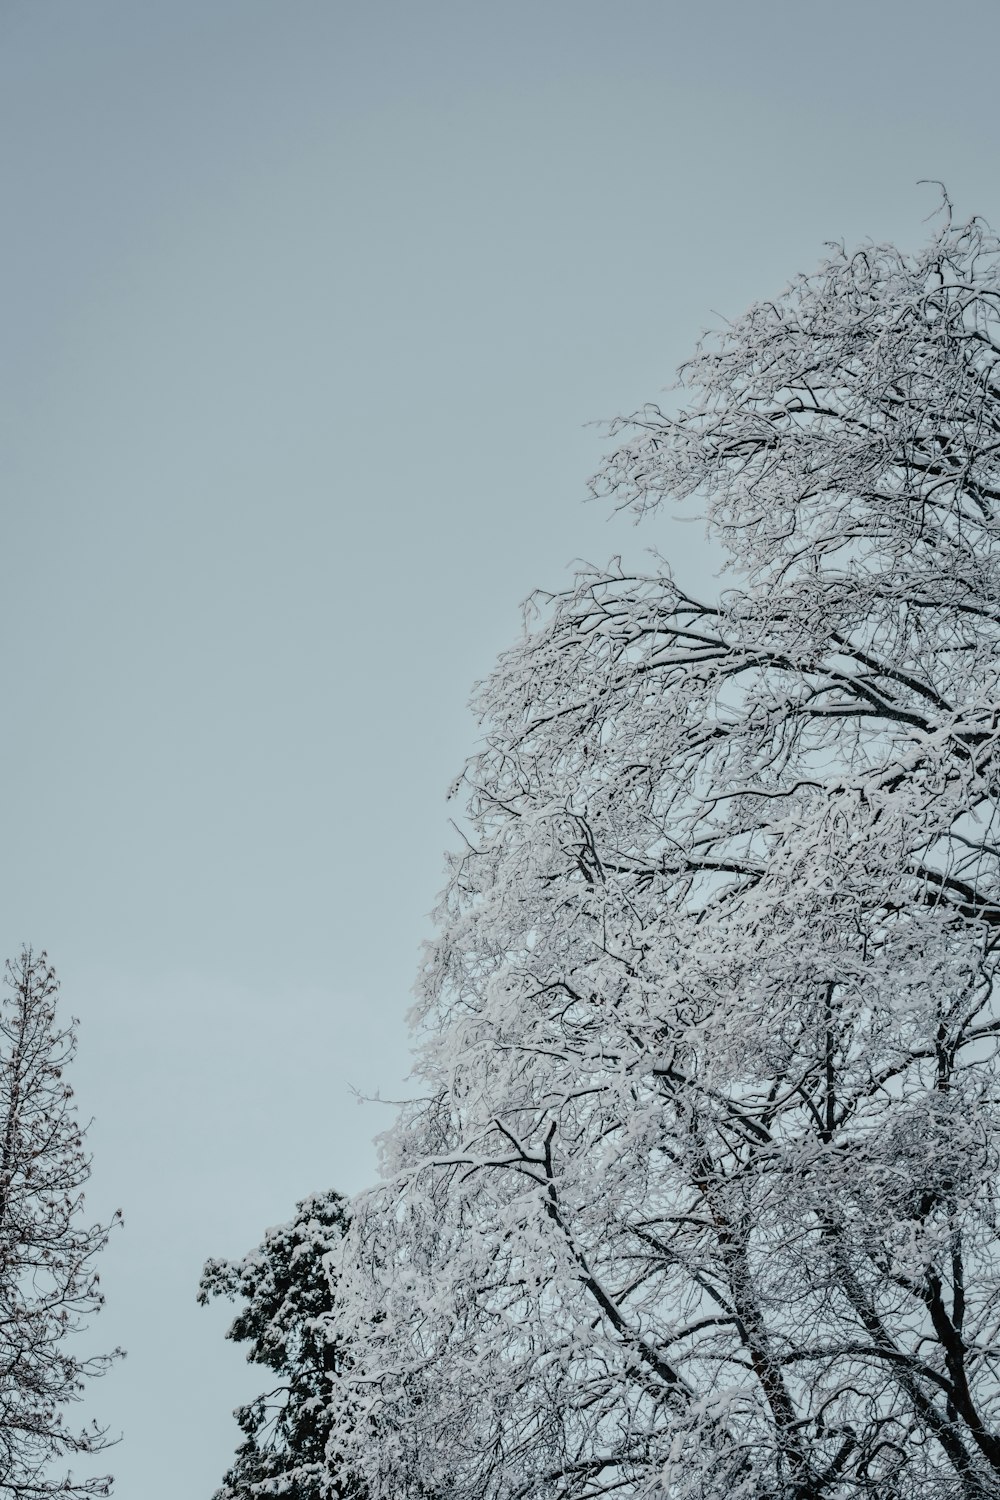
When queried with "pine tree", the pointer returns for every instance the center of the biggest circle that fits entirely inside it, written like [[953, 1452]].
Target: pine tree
[[287, 1287], [48, 1283]]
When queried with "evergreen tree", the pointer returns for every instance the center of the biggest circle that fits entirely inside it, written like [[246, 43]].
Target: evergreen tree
[[287, 1287], [48, 1284]]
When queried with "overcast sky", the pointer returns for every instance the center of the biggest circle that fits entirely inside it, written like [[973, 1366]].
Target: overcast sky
[[307, 307]]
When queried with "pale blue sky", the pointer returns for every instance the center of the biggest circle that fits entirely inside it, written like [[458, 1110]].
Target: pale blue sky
[[307, 306]]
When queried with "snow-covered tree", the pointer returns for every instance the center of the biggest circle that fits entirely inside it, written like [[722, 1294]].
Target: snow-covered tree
[[700, 1197], [287, 1288], [48, 1282]]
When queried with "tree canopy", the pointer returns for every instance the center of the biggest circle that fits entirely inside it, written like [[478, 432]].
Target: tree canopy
[[699, 1199]]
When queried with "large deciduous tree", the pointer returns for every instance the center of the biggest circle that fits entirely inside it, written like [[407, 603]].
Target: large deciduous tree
[[48, 1280], [700, 1199]]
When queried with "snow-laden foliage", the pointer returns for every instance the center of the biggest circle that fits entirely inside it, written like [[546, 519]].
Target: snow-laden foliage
[[699, 1202], [287, 1294], [48, 1281]]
